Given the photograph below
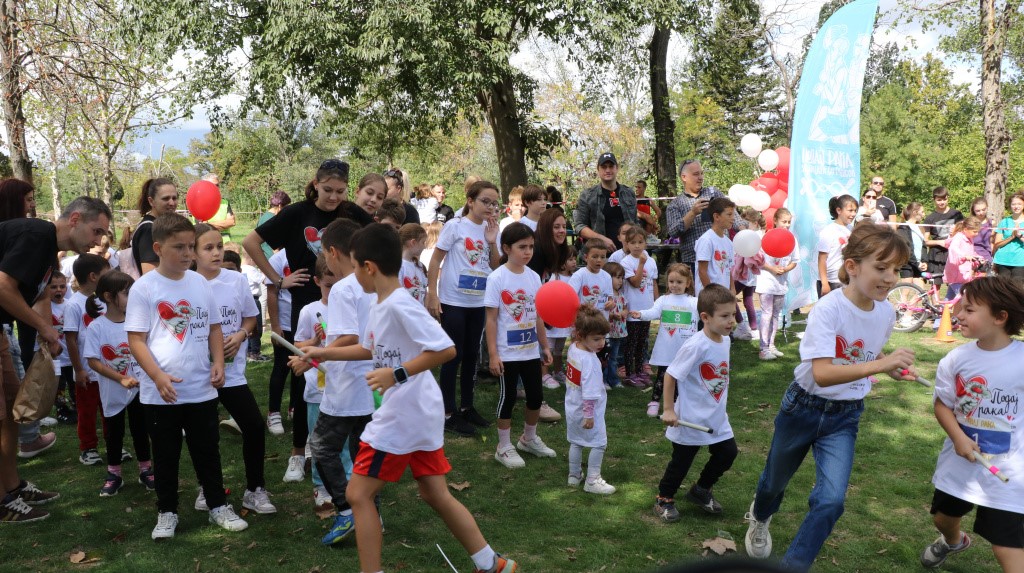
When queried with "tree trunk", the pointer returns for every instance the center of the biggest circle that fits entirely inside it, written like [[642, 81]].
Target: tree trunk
[[54, 183], [664, 127], [500, 106], [108, 178], [10, 91], [994, 28]]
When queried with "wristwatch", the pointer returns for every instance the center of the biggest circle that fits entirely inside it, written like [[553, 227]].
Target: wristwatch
[[280, 282], [401, 376]]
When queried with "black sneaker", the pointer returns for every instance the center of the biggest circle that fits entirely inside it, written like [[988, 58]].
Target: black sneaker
[[13, 509], [702, 497], [473, 417], [126, 456], [666, 510], [147, 479], [456, 425], [112, 485]]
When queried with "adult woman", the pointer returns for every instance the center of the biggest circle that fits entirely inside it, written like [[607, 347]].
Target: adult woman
[[983, 240], [458, 299], [279, 200], [869, 208], [1009, 248], [395, 180], [913, 236], [159, 196], [551, 250]]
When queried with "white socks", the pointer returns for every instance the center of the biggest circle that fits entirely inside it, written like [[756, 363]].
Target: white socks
[[484, 559]]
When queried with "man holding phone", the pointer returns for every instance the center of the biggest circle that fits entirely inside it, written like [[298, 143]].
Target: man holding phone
[[687, 216]]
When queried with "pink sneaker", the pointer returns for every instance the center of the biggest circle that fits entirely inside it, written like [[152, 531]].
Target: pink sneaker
[[652, 409]]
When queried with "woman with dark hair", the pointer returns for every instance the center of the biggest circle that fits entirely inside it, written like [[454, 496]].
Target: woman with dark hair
[[296, 229], [278, 200], [17, 199], [552, 249], [395, 180], [159, 196]]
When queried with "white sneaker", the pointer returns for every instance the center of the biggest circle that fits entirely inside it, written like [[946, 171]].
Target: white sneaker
[[548, 414], [536, 446], [226, 518], [550, 382], [321, 497], [766, 355], [295, 469], [775, 351], [258, 501], [48, 421], [742, 332], [598, 486], [274, 423], [758, 540], [166, 524], [574, 481], [231, 424], [509, 457], [201, 501]]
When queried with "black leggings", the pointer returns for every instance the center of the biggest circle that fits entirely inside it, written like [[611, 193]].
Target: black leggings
[[658, 390], [257, 332], [1015, 274], [241, 404], [464, 326], [723, 454], [199, 421], [114, 436], [529, 372], [636, 341], [278, 374]]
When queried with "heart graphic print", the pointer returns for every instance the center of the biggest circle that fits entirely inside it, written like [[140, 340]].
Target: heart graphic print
[[58, 325], [716, 378], [415, 287], [849, 352], [969, 393], [175, 317], [515, 303], [118, 358], [312, 236], [474, 251], [591, 294]]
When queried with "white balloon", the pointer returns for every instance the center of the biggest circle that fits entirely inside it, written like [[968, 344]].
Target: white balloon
[[735, 192], [768, 159], [750, 145], [744, 195], [747, 243], [760, 201]]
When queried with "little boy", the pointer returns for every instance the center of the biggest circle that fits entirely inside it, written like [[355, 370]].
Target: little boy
[[700, 371], [58, 289], [591, 283], [88, 269], [181, 353], [514, 209], [392, 213], [977, 389], [714, 249], [404, 343], [535, 202]]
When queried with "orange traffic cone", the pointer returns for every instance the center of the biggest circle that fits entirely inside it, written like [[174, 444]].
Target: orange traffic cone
[[945, 331]]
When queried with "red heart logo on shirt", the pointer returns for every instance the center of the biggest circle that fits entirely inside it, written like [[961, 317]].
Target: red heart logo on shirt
[[118, 358], [716, 378], [175, 317], [412, 284], [850, 352], [970, 392], [474, 250], [312, 236], [515, 303], [719, 255]]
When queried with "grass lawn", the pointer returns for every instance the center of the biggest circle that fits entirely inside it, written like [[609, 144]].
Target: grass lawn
[[529, 514]]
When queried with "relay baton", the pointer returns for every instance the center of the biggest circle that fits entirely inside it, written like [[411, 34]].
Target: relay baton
[[694, 426], [323, 323], [992, 469], [295, 350], [919, 380]]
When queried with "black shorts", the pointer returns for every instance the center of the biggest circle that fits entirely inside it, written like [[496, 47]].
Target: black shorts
[[910, 272], [997, 526]]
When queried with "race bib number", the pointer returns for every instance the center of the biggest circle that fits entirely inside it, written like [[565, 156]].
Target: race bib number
[[573, 374], [677, 318], [522, 337], [992, 442], [472, 284]]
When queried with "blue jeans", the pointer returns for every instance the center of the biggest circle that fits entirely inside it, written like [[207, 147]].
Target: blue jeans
[[312, 413], [829, 427], [611, 367]]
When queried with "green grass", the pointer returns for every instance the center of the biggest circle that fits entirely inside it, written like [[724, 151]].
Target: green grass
[[528, 514]]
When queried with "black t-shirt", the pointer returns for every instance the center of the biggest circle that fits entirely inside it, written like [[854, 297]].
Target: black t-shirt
[[28, 254], [944, 223], [142, 243], [613, 217], [887, 206], [411, 214]]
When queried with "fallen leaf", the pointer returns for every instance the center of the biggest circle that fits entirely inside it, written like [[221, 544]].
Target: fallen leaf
[[251, 545], [77, 557], [835, 562], [127, 510], [459, 486], [880, 551], [404, 544], [719, 545], [243, 513], [325, 511], [650, 455], [119, 537], [197, 566], [889, 537]]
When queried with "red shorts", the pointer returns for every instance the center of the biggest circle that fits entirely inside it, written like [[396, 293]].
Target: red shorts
[[390, 467]]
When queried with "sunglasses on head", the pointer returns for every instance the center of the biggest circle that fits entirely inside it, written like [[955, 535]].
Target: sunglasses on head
[[334, 165], [394, 173]]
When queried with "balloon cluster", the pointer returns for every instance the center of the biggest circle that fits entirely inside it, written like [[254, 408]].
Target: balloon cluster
[[766, 194]]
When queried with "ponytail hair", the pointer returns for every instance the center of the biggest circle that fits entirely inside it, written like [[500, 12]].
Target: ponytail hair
[[971, 223], [111, 283], [837, 203], [149, 189], [474, 191]]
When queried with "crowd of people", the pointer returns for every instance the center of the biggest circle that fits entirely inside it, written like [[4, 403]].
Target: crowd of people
[[366, 297]]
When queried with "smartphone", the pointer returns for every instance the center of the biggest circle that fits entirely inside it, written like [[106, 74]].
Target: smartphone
[[705, 215]]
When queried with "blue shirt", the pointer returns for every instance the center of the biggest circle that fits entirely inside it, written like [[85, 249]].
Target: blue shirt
[[1011, 254]]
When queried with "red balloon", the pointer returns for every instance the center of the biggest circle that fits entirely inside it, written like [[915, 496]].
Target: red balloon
[[759, 185], [557, 304], [203, 200], [783, 159], [778, 243], [778, 199], [770, 181], [769, 218]]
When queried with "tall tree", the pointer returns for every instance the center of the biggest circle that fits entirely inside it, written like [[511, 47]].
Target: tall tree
[[661, 113], [13, 57]]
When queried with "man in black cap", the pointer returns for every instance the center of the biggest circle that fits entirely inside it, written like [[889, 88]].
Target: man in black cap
[[602, 209]]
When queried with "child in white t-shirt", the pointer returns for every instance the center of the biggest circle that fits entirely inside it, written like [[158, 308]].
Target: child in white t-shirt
[[713, 249], [745, 271], [841, 350], [832, 240], [641, 290], [516, 343], [535, 202], [407, 431], [586, 400], [514, 209], [677, 311], [413, 276], [175, 336], [591, 283], [772, 286], [977, 389], [65, 402], [700, 373], [279, 310], [618, 255], [617, 322], [88, 269]]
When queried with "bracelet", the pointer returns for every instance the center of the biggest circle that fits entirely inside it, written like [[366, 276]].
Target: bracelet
[[280, 283]]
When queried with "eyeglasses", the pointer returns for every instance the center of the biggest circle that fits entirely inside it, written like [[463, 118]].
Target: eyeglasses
[[879, 183], [871, 196], [490, 203]]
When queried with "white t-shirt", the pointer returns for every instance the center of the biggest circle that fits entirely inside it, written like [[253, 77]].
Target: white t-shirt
[[426, 208], [57, 317], [529, 223], [770, 283], [67, 267], [256, 279], [411, 416], [413, 277], [701, 370], [678, 316], [584, 380], [107, 341], [984, 390], [348, 313], [513, 295], [316, 380], [235, 303], [643, 297], [717, 251], [832, 240], [76, 320], [506, 222], [558, 332], [175, 314], [837, 329], [467, 265], [592, 288], [279, 262], [617, 256]]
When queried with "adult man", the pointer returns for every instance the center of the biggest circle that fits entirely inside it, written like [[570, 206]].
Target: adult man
[[884, 204], [444, 212], [603, 208], [28, 255], [224, 219], [684, 215]]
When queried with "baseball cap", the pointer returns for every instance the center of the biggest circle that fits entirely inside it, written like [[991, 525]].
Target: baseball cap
[[607, 158]]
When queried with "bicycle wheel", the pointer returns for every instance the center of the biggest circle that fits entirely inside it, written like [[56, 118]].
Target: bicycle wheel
[[910, 302]]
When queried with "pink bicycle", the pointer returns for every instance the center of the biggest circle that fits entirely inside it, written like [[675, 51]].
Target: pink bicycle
[[914, 305]]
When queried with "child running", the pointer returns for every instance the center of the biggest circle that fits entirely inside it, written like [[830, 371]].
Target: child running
[[413, 275], [977, 389], [181, 353], [677, 311], [404, 344], [832, 240], [772, 286], [840, 352], [586, 400], [700, 372], [516, 340], [617, 321], [641, 290]]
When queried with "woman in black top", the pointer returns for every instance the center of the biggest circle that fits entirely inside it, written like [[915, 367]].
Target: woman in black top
[[159, 196], [395, 180]]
